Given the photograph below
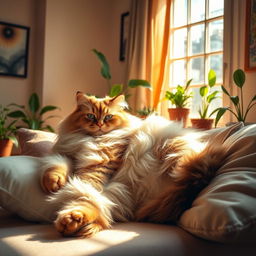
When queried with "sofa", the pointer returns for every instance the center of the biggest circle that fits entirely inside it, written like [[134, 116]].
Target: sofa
[[221, 220]]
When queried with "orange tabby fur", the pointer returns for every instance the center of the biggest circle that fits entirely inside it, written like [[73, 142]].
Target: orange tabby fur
[[119, 168]]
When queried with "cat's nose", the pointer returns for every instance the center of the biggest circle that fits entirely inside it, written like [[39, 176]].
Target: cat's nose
[[100, 124]]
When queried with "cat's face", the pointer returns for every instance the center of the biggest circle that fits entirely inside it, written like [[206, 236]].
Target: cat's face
[[96, 116]]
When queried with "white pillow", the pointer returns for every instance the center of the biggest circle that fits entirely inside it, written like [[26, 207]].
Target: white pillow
[[20, 190], [225, 210]]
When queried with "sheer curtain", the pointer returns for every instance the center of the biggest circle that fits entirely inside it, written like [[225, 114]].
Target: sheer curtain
[[147, 49]]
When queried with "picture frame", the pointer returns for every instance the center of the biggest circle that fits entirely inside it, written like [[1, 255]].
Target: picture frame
[[124, 30], [14, 48], [250, 36]]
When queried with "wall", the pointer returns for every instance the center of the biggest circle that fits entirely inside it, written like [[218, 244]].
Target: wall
[[73, 29], [19, 12]]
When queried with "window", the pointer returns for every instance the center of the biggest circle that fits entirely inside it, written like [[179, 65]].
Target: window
[[196, 45]]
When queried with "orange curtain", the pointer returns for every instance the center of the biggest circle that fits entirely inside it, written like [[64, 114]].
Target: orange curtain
[[148, 49]]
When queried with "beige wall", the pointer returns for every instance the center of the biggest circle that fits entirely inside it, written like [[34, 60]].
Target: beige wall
[[19, 12]]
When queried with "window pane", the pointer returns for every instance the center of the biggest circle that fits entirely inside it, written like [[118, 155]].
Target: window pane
[[197, 70], [216, 8], [197, 10], [216, 36], [197, 39], [180, 13], [178, 73], [179, 43], [215, 62]]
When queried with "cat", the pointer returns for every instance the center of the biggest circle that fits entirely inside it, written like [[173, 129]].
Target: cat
[[110, 166]]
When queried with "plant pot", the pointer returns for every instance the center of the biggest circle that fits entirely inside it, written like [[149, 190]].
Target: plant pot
[[203, 124], [6, 147], [179, 114]]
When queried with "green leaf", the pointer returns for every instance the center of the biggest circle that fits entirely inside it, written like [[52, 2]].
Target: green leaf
[[211, 78], [47, 109], [220, 113], [138, 82], [235, 100], [188, 83], [203, 91], [115, 90], [225, 91], [212, 96], [34, 104], [239, 77], [14, 140], [49, 128], [17, 114], [105, 70]]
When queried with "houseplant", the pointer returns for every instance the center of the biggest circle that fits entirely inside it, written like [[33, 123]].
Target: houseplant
[[239, 110], [7, 132], [32, 115], [207, 96], [180, 99], [117, 89]]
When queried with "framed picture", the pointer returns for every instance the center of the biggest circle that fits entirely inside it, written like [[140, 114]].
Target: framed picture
[[250, 36], [14, 40], [124, 35]]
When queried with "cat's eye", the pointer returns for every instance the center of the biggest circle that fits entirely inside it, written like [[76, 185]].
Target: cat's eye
[[108, 117], [91, 117]]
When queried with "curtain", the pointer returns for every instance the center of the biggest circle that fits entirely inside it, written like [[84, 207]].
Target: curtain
[[147, 49]]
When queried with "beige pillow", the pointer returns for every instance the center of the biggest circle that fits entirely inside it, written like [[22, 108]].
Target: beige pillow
[[225, 210], [35, 142], [20, 190]]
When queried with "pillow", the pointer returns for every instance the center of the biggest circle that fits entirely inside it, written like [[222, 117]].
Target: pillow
[[20, 190], [225, 210], [35, 142]]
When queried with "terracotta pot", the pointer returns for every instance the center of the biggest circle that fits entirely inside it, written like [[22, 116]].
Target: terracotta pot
[[179, 114], [6, 147], [204, 124]]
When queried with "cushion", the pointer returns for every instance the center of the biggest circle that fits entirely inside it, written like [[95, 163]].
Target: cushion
[[225, 210], [20, 190], [35, 142]]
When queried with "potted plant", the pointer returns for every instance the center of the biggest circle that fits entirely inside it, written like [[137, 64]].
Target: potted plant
[[7, 132], [239, 110], [207, 96], [180, 99], [117, 89], [32, 116]]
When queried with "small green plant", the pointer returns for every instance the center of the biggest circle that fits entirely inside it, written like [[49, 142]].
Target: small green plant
[[7, 130], [208, 96], [32, 116], [180, 96], [117, 89], [239, 110], [145, 111]]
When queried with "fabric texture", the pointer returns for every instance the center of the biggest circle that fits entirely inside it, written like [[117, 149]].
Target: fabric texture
[[225, 210], [20, 190], [35, 142]]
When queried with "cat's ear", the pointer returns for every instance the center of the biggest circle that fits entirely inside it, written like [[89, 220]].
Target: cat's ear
[[118, 101], [82, 99]]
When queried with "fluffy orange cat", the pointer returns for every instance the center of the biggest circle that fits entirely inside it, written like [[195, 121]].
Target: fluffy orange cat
[[110, 166]]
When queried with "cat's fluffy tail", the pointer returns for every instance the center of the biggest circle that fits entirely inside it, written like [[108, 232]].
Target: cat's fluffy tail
[[193, 172]]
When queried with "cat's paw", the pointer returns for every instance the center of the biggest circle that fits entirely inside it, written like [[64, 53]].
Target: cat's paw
[[77, 223], [53, 179]]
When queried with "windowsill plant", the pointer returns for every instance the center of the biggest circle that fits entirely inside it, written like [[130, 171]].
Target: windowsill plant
[[180, 99], [207, 97]]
